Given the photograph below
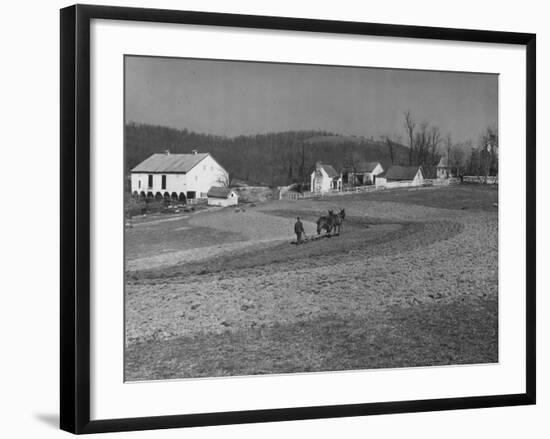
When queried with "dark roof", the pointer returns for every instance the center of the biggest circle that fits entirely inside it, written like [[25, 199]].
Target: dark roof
[[401, 172], [363, 167], [219, 192], [170, 163], [331, 172]]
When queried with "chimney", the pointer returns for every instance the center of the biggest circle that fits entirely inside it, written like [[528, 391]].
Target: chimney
[[317, 166], [166, 152], [194, 151]]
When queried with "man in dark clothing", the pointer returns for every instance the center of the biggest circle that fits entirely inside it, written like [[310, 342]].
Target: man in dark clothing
[[298, 229]]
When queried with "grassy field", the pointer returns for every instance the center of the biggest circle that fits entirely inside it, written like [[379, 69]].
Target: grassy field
[[411, 281]]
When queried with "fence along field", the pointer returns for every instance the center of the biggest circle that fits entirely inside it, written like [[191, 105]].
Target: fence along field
[[411, 281], [289, 195]]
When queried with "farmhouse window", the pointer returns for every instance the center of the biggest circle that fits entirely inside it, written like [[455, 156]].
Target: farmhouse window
[[139, 184], [150, 181], [163, 182]]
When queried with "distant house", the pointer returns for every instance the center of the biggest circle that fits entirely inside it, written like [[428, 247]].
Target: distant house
[[222, 196], [362, 174], [324, 178], [410, 174], [442, 169], [177, 176]]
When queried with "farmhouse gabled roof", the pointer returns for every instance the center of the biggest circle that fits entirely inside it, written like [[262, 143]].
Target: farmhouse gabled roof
[[368, 166], [219, 192], [331, 172], [170, 163], [401, 172], [363, 167]]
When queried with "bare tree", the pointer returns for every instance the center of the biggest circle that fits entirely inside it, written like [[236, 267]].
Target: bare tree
[[303, 162], [389, 141], [434, 140], [489, 151], [475, 165], [456, 155], [456, 159], [448, 147], [421, 143], [410, 126], [224, 180]]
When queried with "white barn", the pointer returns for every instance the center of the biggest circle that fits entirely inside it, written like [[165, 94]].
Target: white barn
[[324, 178], [177, 176], [222, 196]]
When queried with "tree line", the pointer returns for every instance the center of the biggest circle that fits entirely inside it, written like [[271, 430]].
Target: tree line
[[271, 159], [283, 158], [426, 146]]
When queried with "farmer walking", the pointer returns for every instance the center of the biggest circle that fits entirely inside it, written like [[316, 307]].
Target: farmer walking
[[298, 229]]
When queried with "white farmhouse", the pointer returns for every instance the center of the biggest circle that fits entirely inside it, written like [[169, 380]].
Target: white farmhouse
[[363, 173], [177, 176], [324, 178], [222, 196]]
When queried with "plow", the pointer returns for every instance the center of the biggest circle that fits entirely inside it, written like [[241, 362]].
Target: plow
[[310, 238], [332, 224]]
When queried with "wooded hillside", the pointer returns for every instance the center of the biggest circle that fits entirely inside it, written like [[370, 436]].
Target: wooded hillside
[[273, 159]]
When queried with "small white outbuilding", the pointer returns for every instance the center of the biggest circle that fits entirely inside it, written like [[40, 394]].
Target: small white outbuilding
[[222, 196], [411, 175]]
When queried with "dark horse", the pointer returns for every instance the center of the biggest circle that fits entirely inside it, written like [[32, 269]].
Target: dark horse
[[338, 221], [331, 223]]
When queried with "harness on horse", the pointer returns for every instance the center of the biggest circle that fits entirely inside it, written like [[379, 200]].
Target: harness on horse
[[331, 222]]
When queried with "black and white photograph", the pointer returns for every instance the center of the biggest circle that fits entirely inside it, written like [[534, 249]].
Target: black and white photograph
[[290, 218], [275, 219]]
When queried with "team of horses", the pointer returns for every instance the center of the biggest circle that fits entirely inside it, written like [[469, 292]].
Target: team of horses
[[332, 223]]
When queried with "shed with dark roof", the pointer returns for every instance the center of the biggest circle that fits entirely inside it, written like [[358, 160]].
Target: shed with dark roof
[[404, 173], [219, 192], [222, 196]]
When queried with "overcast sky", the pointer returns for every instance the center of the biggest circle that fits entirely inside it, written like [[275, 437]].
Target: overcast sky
[[232, 98]]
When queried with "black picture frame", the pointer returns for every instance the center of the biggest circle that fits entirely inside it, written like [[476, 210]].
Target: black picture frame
[[75, 217]]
